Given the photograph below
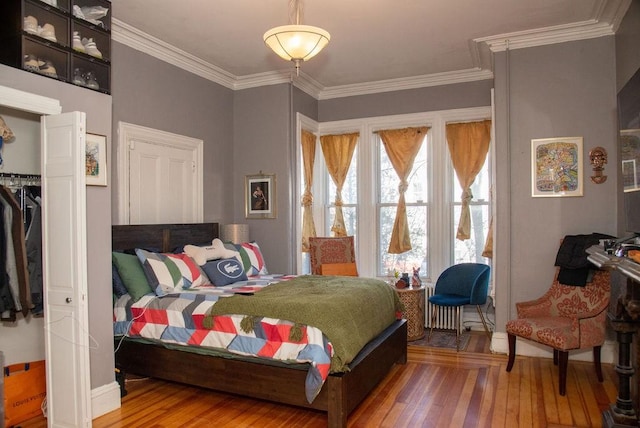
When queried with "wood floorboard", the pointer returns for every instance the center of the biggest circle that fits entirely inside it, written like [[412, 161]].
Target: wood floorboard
[[437, 387]]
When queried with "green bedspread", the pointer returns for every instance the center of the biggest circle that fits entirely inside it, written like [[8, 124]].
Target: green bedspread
[[350, 311]]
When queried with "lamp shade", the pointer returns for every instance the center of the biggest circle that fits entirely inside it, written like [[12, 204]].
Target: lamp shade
[[236, 233], [296, 42]]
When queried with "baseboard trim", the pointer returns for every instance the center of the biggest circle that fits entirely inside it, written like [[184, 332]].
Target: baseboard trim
[[104, 399], [527, 348]]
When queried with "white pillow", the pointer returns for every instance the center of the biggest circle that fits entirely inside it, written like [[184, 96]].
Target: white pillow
[[214, 251]]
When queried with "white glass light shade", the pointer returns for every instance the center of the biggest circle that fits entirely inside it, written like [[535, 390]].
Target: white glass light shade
[[296, 42]]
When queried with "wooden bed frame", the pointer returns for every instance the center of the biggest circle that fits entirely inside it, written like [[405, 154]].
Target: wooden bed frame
[[341, 393]]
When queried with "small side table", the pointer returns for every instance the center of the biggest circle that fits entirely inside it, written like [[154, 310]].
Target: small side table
[[413, 300]]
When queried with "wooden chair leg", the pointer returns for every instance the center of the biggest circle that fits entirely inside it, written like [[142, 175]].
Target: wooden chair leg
[[484, 322], [562, 370], [458, 327], [512, 351], [433, 321], [555, 357], [596, 362]]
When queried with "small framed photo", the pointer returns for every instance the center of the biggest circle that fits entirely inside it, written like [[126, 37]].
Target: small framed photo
[[96, 160], [260, 196], [556, 167]]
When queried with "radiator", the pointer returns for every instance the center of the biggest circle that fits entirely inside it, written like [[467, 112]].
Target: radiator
[[446, 316]]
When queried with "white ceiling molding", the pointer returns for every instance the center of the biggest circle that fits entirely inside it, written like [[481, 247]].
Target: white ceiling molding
[[546, 36], [126, 34], [413, 82], [606, 21]]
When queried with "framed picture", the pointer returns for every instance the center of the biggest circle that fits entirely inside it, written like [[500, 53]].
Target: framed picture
[[556, 166], [260, 196], [96, 160]]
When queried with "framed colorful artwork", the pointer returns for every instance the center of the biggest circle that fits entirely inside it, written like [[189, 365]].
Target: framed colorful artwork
[[556, 165], [96, 160]]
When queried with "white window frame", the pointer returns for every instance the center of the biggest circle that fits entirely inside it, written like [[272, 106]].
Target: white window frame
[[441, 234]]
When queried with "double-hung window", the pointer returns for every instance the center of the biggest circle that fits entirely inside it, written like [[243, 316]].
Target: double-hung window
[[433, 197]]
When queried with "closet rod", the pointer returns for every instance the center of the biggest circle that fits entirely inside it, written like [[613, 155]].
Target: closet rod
[[16, 175]]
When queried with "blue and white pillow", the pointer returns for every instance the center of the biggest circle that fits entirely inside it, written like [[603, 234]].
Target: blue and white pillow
[[224, 271]]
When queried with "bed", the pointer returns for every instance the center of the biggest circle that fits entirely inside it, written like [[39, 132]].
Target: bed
[[252, 376]]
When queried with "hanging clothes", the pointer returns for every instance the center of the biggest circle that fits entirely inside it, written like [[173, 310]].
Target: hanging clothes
[[7, 304], [16, 260], [34, 249]]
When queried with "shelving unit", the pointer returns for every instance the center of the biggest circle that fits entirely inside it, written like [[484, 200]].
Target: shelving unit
[[25, 46]]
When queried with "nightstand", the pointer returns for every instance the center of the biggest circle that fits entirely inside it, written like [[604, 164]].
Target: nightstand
[[413, 300]]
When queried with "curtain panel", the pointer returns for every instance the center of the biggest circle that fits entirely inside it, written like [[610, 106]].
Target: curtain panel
[[402, 146], [308, 157], [468, 145], [338, 152]]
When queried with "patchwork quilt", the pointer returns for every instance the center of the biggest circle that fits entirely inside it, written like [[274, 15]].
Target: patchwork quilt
[[177, 318]]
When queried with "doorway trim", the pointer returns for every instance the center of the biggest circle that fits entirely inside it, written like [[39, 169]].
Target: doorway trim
[[26, 101], [128, 132]]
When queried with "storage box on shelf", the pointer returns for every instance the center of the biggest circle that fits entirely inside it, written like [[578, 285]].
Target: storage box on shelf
[[67, 40]]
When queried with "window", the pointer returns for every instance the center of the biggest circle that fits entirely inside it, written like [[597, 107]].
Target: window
[[370, 197]]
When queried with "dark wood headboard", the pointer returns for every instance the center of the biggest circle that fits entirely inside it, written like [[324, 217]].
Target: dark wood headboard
[[165, 237]]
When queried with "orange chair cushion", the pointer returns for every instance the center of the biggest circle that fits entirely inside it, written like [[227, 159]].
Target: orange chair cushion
[[342, 269]]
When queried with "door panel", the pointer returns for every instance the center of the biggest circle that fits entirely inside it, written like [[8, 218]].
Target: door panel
[[65, 270], [161, 184]]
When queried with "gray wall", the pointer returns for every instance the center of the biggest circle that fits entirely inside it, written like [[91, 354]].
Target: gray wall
[[460, 95], [561, 90], [262, 123], [98, 109], [149, 92]]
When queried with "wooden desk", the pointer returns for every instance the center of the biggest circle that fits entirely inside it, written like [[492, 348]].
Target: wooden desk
[[413, 300]]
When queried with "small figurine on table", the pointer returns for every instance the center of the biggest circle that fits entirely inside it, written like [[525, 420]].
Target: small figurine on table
[[415, 279]]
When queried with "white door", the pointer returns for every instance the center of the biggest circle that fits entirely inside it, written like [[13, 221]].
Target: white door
[[163, 176], [65, 270], [160, 183]]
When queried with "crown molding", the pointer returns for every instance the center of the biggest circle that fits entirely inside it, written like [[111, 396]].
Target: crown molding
[[607, 19], [413, 82], [547, 36], [606, 22], [124, 33]]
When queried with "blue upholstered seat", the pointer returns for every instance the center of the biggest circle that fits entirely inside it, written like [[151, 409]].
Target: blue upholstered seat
[[460, 285]]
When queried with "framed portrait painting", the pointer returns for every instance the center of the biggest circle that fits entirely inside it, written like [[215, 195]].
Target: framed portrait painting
[[260, 196], [96, 160], [556, 166]]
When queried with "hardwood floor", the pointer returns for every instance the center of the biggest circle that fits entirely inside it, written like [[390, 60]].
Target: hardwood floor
[[436, 388]]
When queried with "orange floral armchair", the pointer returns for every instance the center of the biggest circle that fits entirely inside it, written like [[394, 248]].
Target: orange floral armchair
[[564, 318]]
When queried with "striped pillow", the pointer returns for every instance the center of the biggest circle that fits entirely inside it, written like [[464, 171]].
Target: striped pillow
[[250, 256], [171, 273]]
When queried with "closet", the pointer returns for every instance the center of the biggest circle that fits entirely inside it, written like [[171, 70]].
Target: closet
[[64, 327], [21, 250]]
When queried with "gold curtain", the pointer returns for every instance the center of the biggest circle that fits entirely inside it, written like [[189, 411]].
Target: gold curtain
[[338, 151], [308, 157], [402, 146], [468, 145]]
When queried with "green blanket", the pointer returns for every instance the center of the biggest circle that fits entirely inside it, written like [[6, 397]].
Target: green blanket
[[350, 311]]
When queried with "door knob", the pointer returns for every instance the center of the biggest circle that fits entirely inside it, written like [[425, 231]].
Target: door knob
[[68, 300]]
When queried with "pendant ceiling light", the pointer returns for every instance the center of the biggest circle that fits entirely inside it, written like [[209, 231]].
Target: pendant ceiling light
[[296, 42]]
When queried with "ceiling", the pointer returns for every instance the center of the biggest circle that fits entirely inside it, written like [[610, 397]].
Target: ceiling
[[374, 43]]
